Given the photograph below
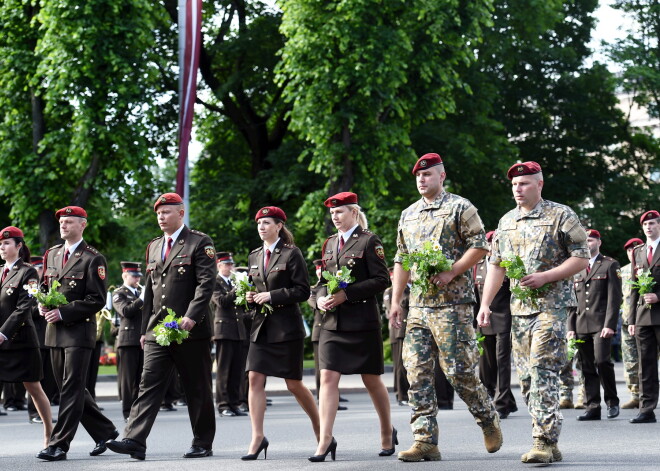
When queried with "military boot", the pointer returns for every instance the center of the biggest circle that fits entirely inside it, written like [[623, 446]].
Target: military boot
[[420, 451], [541, 452], [493, 435], [566, 404], [631, 404], [556, 454]]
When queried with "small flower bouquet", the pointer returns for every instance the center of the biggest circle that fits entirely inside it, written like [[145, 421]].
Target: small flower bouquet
[[52, 299], [168, 330], [480, 338], [515, 270], [244, 284], [338, 281], [644, 284], [429, 261], [573, 347]]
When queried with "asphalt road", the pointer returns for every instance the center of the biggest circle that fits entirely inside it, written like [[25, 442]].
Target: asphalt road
[[605, 445]]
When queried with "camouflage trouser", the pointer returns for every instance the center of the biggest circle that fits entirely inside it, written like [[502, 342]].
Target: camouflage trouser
[[539, 348], [630, 361], [566, 380], [445, 334]]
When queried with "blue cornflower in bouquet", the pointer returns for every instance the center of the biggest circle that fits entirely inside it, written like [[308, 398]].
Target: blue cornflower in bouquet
[[168, 330], [338, 281]]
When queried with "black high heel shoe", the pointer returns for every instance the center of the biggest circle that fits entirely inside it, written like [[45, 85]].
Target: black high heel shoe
[[253, 456], [390, 451], [332, 449]]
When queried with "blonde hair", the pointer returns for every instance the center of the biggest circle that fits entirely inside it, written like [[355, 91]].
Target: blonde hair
[[361, 218]]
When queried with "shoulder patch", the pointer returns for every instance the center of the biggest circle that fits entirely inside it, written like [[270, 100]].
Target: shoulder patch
[[618, 273], [380, 252], [101, 271], [209, 251]]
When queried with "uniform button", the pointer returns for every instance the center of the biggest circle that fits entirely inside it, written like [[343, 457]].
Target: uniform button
[[163, 296], [125, 328], [163, 285], [87, 320], [584, 293], [164, 308], [164, 274], [587, 309]]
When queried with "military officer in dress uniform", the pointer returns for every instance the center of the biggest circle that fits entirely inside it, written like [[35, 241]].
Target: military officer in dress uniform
[[228, 335], [180, 275], [594, 321], [128, 301], [552, 244], [495, 363], [644, 317], [397, 334], [71, 332]]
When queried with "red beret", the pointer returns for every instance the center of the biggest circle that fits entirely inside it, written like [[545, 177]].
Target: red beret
[[634, 242], [523, 168], [653, 214], [9, 232], [270, 212], [36, 260], [489, 236], [427, 161], [76, 211], [341, 199], [593, 233], [167, 198]]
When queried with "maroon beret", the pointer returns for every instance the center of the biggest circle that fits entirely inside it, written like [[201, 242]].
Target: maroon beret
[[168, 198], [593, 233], [76, 211], [632, 243], [653, 214], [341, 199], [9, 232], [36, 260], [523, 168], [427, 161], [270, 212], [489, 236]]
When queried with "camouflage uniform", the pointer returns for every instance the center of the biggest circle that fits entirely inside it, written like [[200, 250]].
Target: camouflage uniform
[[628, 343], [439, 324], [544, 238]]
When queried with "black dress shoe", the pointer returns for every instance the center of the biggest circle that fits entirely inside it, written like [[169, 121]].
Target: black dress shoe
[[269, 402], [243, 408], [36, 420], [167, 408], [590, 414], [403, 403], [100, 447], [446, 407], [227, 413], [332, 449], [503, 414], [197, 452], [613, 412], [181, 402], [395, 442], [253, 456], [11, 408], [52, 453], [342, 399], [2, 412], [237, 412], [128, 447], [644, 418], [342, 407]]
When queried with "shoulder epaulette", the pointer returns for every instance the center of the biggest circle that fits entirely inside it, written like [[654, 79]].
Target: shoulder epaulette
[[195, 231], [366, 231], [288, 246], [55, 247], [255, 250], [92, 249]]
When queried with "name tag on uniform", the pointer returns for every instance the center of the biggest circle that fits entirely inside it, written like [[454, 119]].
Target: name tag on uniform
[[254, 266]]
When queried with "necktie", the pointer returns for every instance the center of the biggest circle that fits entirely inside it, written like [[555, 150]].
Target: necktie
[[4, 274], [267, 261], [168, 249], [588, 269], [65, 258], [650, 256], [341, 242]]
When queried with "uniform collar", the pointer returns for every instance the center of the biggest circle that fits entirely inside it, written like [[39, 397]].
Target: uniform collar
[[534, 213], [436, 203], [346, 235], [72, 248]]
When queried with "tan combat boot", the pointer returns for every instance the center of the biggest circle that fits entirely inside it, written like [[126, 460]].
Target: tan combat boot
[[493, 435], [631, 404], [541, 452], [566, 404], [556, 454], [420, 451]]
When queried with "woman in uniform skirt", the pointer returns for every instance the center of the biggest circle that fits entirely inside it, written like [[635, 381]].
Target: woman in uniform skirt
[[351, 340], [20, 360], [279, 274]]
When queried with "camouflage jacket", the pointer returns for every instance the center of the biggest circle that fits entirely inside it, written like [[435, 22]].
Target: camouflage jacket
[[544, 238], [626, 276], [454, 223]]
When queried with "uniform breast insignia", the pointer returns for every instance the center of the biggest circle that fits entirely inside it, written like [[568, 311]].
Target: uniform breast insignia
[[116, 298], [210, 251], [78, 254], [101, 271], [350, 263], [180, 241], [380, 252], [10, 291], [277, 250], [72, 283], [355, 236], [181, 270]]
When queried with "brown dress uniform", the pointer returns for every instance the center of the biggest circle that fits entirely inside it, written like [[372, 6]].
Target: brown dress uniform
[[130, 356], [495, 363], [184, 282], [73, 338], [276, 339], [316, 333], [351, 341], [397, 335], [599, 298], [228, 334], [647, 330]]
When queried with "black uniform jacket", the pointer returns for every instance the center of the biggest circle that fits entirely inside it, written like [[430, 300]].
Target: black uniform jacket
[[500, 317], [287, 280], [640, 314], [227, 317], [16, 307], [83, 283], [129, 308], [363, 255], [599, 296], [184, 282]]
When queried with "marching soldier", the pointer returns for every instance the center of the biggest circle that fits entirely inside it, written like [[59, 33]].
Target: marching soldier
[[440, 322], [229, 333], [594, 321], [397, 335], [495, 363], [628, 342], [71, 333], [551, 242], [128, 301]]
